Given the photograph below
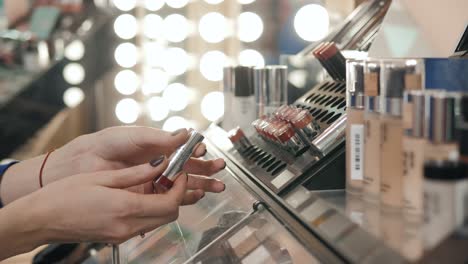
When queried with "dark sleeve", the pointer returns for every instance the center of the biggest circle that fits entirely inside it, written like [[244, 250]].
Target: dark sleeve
[[3, 169]]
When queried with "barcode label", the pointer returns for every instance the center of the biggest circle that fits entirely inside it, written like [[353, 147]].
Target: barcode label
[[357, 147]]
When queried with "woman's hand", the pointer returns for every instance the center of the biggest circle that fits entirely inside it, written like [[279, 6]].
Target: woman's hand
[[91, 207], [109, 149]]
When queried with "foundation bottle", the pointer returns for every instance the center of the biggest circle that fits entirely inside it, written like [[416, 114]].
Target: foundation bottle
[[440, 126], [355, 127], [413, 155], [391, 158], [372, 132], [243, 110]]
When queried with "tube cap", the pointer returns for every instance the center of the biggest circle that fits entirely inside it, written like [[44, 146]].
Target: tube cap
[[243, 81], [229, 79], [446, 170], [355, 83], [277, 85], [415, 116], [440, 123]]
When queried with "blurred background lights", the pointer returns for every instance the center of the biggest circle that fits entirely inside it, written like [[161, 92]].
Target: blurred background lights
[[175, 61], [126, 82], [175, 3], [212, 106], [311, 22], [125, 26], [250, 57], [177, 96], [250, 27], [126, 55], [245, 2], [214, 2], [73, 96], [154, 5], [213, 27], [153, 26], [127, 110], [156, 81], [157, 108], [125, 5], [211, 65], [175, 28], [154, 52], [75, 50], [175, 122], [298, 78], [74, 73]]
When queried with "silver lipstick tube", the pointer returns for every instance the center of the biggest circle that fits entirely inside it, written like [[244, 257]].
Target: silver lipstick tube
[[330, 137]]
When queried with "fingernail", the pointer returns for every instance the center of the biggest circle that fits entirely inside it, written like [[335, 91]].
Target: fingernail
[[178, 131], [224, 165], [203, 195], [204, 153], [158, 161], [224, 188]]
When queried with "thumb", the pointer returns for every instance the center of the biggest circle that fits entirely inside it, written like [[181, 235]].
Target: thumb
[[133, 176]]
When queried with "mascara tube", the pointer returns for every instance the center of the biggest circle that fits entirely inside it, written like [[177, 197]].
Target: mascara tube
[[177, 162]]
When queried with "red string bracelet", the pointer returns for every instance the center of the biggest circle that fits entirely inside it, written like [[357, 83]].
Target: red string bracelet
[[42, 168]]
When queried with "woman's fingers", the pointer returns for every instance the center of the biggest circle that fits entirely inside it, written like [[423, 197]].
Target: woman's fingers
[[206, 184], [204, 167], [192, 197]]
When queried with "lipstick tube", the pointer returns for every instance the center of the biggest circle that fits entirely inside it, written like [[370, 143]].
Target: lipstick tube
[[305, 125], [239, 140], [177, 162], [287, 137], [330, 137]]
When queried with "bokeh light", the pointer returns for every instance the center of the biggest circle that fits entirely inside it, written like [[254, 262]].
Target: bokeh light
[[126, 82], [213, 27], [176, 28], [245, 2], [250, 57], [312, 22], [211, 65], [75, 50], [157, 108], [126, 55], [156, 81], [214, 2], [175, 122], [74, 73], [177, 96], [127, 110], [153, 26], [250, 27], [154, 5], [212, 106], [125, 5], [176, 61], [73, 96], [175, 3], [125, 26]]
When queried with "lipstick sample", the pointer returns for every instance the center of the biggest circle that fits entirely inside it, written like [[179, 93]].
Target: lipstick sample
[[239, 140], [331, 59], [287, 137], [177, 162], [305, 125]]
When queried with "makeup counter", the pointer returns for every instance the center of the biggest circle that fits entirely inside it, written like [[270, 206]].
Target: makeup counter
[[367, 166]]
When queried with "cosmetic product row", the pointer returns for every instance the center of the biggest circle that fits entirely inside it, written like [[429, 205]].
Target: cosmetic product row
[[251, 92], [331, 59], [402, 148]]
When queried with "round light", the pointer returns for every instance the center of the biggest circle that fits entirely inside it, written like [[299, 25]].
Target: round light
[[154, 5], [126, 55], [214, 2], [125, 26], [157, 108], [250, 27], [211, 65], [315, 15], [74, 73], [155, 81], [176, 95], [175, 28], [245, 2], [298, 78], [175, 61], [212, 106], [125, 5], [154, 54], [126, 82], [152, 26], [127, 110], [250, 57], [176, 3], [213, 27], [73, 97], [75, 50], [175, 122]]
